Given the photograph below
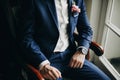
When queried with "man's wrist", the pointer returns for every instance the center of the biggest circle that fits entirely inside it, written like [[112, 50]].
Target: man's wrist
[[82, 50], [46, 62]]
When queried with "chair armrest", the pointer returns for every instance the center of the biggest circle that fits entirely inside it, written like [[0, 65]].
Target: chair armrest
[[96, 48], [93, 46], [36, 72]]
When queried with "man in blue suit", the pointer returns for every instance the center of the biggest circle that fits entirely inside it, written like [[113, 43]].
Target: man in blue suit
[[45, 33]]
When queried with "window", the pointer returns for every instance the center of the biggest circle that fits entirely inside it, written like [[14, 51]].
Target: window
[[111, 38]]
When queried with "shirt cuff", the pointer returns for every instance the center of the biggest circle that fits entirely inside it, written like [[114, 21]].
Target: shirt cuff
[[42, 64]]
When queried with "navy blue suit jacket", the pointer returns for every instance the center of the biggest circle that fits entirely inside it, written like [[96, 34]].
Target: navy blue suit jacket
[[38, 28]]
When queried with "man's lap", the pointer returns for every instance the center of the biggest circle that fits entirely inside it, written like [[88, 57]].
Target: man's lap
[[88, 72]]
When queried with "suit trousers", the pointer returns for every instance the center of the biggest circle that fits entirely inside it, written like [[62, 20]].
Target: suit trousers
[[89, 71]]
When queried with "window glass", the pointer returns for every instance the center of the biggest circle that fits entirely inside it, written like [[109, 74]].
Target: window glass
[[112, 49], [115, 18]]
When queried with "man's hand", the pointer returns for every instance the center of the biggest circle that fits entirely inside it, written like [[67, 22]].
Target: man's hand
[[50, 73], [77, 60]]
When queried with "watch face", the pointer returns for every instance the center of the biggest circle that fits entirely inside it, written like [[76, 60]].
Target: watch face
[[84, 51]]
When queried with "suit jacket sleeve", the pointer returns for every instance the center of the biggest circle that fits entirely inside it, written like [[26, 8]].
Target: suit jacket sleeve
[[25, 32], [83, 27]]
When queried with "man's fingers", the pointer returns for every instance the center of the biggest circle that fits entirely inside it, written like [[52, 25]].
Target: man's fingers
[[77, 60], [56, 73], [59, 73], [78, 65], [51, 74], [81, 65], [75, 64], [71, 63], [47, 76]]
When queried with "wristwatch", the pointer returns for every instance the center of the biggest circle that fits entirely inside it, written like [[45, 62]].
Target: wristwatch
[[83, 50]]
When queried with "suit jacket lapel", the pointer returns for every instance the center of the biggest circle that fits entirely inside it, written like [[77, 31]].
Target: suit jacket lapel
[[69, 3], [69, 15], [52, 9]]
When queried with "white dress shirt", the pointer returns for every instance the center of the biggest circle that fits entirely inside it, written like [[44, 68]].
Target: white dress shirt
[[62, 15]]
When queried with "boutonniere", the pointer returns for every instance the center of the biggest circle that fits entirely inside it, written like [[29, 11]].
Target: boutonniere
[[75, 9]]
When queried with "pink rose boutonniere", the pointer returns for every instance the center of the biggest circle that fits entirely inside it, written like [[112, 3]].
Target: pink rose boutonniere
[[75, 9]]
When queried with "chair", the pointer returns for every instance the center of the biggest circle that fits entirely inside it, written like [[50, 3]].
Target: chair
[[96, 48]]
